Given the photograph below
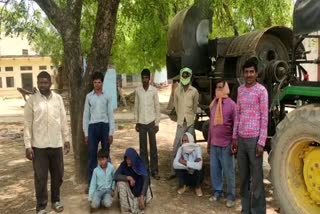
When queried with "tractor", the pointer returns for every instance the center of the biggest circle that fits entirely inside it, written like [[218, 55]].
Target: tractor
[[294, 104]]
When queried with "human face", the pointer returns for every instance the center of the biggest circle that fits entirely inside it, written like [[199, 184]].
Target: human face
[[185, 139], [129, 162], [97, 85], [185, 75], [250, 76], [103, 162], [219, 86], [145, 80], [44, 85]]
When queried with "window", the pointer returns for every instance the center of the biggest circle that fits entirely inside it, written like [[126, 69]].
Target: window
[[24, 51], [10, 82], [0, 82], [8, 68], [25, 68], [42, 67]]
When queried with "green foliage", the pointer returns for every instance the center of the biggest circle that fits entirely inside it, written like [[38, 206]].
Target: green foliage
[[249, 15], [142, 26]]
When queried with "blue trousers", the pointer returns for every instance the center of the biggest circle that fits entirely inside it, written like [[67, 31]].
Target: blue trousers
[[98, 132], [101, 197], [222, 165]]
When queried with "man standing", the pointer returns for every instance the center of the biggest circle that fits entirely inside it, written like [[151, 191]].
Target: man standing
[[147, 117], [45, 132], [249, 136], [186, 99], [98, 121]]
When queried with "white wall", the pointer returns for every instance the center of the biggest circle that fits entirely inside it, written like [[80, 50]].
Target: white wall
[[311, 44]]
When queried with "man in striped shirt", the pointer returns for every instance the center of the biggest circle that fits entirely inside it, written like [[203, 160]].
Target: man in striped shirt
[[249, 137]]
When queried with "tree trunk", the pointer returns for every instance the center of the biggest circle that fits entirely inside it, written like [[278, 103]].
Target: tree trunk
[[67, 21], [77, 92], [103, 35]]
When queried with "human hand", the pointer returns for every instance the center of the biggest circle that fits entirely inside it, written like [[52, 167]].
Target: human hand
[[197, 160], [156, 129], [110, 139], [234, 147], [29, 154], [137, 127], [141, 202], [86, 140], [183, 161], [259, 150], [66, 147], [132, 182]]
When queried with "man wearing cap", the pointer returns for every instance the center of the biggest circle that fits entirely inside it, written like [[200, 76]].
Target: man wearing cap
[[186, 99]]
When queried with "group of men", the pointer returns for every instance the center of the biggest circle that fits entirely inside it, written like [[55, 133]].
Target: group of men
[[242, 127]]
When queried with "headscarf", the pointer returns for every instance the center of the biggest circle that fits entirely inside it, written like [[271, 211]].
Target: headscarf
[[185, 81], [137, 163], [220, 94], [137, 170], [189, 147]]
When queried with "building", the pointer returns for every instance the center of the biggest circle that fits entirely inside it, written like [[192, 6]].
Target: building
[[20, 65]]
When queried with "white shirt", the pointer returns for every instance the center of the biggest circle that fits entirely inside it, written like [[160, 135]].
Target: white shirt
[[45, 121], [146, 105]]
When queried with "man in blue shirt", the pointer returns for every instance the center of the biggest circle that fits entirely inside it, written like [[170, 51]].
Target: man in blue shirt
[[98, 121], [102, 184]]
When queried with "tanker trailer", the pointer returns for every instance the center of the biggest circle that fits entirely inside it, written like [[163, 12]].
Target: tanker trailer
[[222, 58]]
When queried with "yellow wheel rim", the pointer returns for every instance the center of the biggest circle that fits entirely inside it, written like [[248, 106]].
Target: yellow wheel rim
[[302, 182], [311, 173]]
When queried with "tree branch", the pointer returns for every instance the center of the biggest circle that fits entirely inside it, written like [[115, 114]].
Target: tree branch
[[54, 13]]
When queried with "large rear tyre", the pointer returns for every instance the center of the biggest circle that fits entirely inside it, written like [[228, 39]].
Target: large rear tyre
[[295, 161]]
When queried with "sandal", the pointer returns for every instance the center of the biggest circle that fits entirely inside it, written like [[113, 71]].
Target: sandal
[[57, 206]]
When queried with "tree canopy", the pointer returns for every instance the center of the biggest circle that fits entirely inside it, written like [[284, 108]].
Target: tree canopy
[[130, 34], [140, 39]]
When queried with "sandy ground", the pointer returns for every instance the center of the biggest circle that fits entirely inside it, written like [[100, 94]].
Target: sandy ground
[[17, 193]]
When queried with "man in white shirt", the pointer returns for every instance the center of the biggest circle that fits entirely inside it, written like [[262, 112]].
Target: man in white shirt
[[147, 117], [45, 132]]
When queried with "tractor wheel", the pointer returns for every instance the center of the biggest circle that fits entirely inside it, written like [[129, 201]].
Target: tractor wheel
[[295, 161]]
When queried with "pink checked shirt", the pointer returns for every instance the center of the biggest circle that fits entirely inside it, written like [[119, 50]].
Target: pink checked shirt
[[252, 113]]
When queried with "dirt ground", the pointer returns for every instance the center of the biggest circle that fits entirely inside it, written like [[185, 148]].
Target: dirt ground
[[17, 193]]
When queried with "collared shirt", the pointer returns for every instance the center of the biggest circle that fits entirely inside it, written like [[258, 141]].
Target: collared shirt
[[186, 104], [45, 121], [98, 108], [102, 180], [146, 105], [221, 135], [252, 113]]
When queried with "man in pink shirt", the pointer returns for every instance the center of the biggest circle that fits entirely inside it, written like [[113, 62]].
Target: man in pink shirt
[[249, 137]]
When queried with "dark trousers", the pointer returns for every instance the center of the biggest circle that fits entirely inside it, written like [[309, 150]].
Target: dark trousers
[[145, 129], [47, 159], [251, 177], [98, 132], [192, 180]]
